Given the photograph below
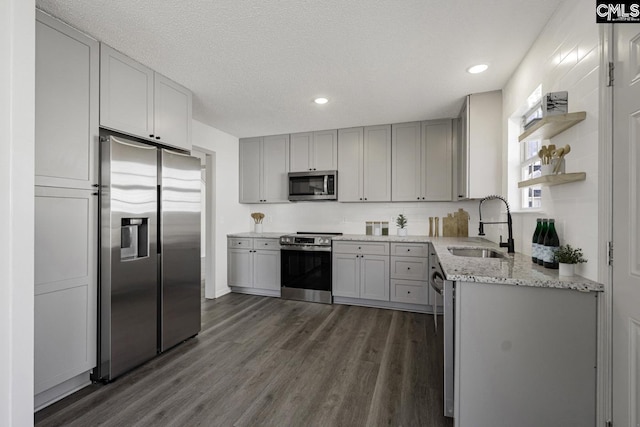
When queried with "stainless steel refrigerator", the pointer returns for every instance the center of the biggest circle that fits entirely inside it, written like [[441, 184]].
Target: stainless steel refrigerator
[[150, 253]]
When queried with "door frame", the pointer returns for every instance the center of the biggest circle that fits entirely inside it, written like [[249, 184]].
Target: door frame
[[605, 228], [210, 227]]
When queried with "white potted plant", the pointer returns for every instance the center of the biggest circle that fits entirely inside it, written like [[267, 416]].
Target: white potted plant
[[567, 258], [401, 222]]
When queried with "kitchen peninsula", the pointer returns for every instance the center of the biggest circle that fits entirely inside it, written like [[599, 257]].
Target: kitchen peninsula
[[520, 341]]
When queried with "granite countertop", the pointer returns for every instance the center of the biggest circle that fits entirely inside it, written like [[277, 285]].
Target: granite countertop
[[394, 239], [515, 269], [266, 235]]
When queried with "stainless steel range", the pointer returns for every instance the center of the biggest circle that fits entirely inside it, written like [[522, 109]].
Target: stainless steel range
[[306, 266]]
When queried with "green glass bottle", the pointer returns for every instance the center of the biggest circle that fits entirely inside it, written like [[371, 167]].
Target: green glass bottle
[[551, 245], [543, 232], [534, 241]]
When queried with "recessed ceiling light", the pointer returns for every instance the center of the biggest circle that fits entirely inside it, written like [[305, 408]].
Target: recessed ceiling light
[[321, 101], [477, 68]]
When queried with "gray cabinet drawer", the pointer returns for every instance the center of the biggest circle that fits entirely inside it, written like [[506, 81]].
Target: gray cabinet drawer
[[410, 249], [370, 248], [240, 242], [409, 268], [267, 244], [409, 291]]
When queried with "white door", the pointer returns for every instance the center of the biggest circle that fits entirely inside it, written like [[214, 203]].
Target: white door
[[626, 227]]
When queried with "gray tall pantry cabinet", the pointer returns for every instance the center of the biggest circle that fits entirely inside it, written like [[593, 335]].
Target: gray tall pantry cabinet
[[66, 139]]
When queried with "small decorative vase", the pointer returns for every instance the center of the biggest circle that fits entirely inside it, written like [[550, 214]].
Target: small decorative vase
[[258, 228], [402, 232], [566, 270]]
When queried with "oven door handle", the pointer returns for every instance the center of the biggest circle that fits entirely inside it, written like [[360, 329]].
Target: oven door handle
[[306, 248], [437, 282]]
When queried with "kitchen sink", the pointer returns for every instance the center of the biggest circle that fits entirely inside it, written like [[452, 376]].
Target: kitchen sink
[[476, 252]]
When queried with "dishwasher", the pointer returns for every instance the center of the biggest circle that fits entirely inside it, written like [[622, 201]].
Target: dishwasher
[[444, 288]]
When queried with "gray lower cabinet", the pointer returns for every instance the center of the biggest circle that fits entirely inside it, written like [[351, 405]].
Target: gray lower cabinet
[[410, 273], [360, 271], [66, 139], [254, 264], [535, 347], [264, 165]]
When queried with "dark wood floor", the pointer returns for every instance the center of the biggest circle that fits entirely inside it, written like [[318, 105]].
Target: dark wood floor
[[272, 362]]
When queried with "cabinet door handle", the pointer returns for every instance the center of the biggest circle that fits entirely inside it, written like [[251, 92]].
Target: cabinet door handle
[[408, 250], [408, 268], [360, 198], [157, 137], [151, 136], [365, 198]]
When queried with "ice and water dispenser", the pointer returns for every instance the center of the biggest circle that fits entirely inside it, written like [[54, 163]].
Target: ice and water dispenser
[[134, 238]]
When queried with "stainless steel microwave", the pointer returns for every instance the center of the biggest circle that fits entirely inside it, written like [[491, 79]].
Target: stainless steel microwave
[[313, 185]]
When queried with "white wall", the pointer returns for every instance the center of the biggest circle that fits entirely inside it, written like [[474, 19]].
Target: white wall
[[17, 88], [350, 218], [565, 57], [230, 216]]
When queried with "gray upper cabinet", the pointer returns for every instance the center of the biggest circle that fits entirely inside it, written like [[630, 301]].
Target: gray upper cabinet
[[311, 151], [172, 112], [250, 170], [275, 166], [364, 164], [422, 161], [479, 146], [350, 146], [406, 143], [264, 163], [438, 160], [137, 101], [66, 105]]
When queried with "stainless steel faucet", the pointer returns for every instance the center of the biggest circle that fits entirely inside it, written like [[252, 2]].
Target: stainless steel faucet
[[509, 244]]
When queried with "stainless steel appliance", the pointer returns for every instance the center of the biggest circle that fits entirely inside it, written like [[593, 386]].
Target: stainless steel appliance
[[150, 253], [313, 185], [306, 266], [446, 289]]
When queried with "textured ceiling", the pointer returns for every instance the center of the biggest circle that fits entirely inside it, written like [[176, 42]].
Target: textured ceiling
[[255, 66]]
